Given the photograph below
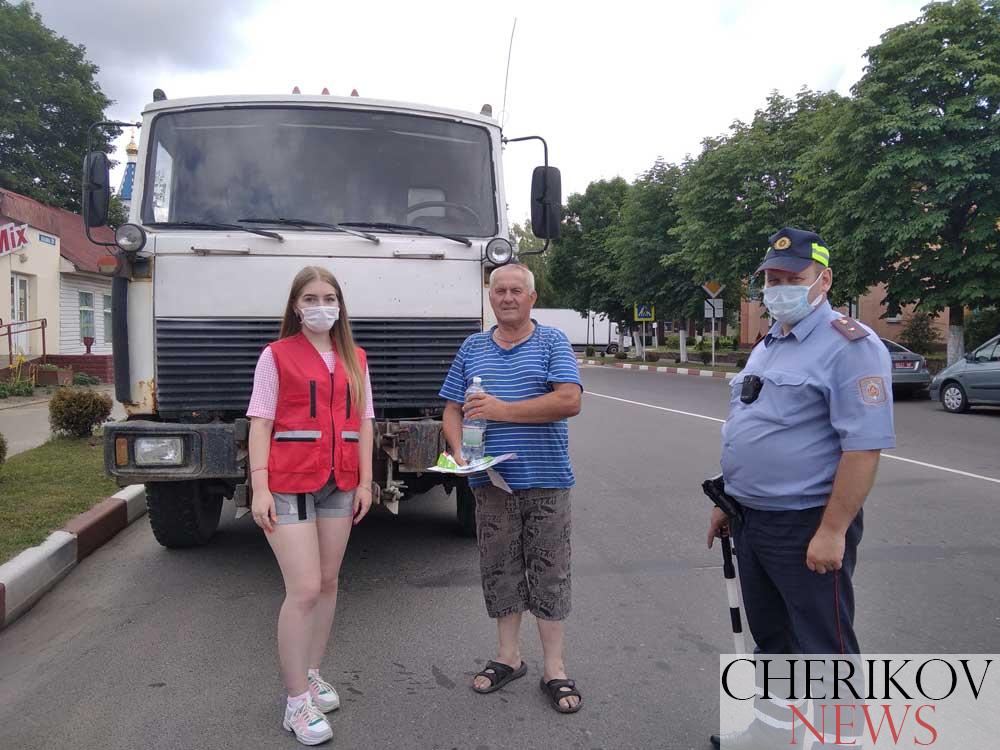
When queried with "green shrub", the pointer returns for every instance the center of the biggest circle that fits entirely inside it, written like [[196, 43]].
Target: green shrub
[[3, 449], [48, 367], [981, 326], [651, 357], [741, 362], [673, 342], [82, 378], [20, 388], [590, 351], [919, 333], [4, 390], [77, 411], [621, 355], [706, 356]]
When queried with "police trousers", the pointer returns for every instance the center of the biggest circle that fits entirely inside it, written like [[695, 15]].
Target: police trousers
[[789, 608]]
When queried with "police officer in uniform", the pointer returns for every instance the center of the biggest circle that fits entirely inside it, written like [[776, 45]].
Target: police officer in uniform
[[809, 416]]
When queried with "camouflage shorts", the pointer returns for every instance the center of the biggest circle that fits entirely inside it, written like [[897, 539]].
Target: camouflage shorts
[[524, 551]]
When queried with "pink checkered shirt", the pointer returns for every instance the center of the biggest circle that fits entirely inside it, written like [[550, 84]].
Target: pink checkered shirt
[[265, 386]]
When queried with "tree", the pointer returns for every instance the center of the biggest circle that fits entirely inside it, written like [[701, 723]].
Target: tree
[[117, 213], [49, 99], [906, 182], [582, 269], [642, 240], [742, 187], [525, 239]]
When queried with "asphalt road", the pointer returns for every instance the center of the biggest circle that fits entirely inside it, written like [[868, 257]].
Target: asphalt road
[[145, 647]]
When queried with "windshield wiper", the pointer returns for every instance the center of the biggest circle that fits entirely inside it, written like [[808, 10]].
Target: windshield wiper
[[309, 223], [388, 227], [214, 226]]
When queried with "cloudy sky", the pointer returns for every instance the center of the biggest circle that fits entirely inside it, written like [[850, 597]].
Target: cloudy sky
[[611, 86]]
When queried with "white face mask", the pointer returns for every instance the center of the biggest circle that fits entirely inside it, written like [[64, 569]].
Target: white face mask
[[319, 319], [789, 303]]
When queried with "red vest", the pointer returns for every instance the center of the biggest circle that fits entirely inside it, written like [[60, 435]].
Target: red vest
[[316, 428]]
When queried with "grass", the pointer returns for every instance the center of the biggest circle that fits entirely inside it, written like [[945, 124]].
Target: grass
[[41, 489]]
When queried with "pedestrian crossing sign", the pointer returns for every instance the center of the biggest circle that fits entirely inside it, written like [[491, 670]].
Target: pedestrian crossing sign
[[644, 312]]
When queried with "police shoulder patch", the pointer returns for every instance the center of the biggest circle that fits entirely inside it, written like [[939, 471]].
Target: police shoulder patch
[[849, 328], [872, 390]]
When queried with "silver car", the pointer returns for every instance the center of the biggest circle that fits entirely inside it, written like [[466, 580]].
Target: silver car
[[971, 381], [909, 370]]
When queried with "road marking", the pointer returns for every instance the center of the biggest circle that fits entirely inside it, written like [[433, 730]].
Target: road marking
[[651, 406], [942, 468], [884, 454]]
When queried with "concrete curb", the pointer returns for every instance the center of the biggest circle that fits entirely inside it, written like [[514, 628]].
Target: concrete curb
[[5, 407], [30, 574], [666, 370]]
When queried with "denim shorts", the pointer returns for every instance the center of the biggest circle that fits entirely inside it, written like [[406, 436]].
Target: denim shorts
[[326, 502]]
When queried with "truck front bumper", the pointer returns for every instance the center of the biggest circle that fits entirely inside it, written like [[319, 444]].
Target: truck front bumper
[[139, 452]]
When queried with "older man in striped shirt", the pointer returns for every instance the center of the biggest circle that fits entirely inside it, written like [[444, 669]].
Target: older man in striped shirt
[[532, 384]]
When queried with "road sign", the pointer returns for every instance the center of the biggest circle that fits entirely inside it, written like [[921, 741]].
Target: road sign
[[713, 289], [713, 309], [644, 312]]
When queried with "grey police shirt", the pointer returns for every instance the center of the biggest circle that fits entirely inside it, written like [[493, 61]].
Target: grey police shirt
[[822, 394]]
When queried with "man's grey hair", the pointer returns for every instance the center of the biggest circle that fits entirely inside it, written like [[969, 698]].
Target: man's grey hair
[[529, 277]]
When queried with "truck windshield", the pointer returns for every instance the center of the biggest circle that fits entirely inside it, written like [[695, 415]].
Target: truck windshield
[[323, 165]]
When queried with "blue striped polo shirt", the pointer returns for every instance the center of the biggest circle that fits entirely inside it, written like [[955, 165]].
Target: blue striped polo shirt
[[526, 371]]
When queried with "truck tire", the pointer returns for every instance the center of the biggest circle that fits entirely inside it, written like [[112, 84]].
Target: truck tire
[[466, 509], [182, 514]]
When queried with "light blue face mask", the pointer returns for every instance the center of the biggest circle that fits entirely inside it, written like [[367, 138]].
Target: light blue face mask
[[789, 303]]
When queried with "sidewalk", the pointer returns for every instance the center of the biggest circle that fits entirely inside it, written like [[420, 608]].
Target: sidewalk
[[24, 422], [697, 372]]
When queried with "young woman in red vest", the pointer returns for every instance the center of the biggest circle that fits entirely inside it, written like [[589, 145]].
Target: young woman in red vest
[[311, 469]]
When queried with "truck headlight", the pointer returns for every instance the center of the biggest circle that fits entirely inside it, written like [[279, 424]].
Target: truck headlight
[[158, 451], [499, 251], [130, 237]]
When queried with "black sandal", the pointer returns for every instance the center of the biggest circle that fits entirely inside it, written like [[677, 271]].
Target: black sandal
[[499, 675], [558, 690]]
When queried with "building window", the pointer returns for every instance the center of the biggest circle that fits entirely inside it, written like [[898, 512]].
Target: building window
[[107, 318], [86, 315]]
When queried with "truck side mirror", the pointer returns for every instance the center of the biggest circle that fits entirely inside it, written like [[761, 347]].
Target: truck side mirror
[[546, 202], [96, 189]]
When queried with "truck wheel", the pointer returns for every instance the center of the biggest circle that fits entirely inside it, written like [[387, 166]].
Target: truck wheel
[[181, 514], [612, 349], [466, 506]]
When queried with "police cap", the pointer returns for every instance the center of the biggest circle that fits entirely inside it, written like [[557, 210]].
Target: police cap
[[794, 250]]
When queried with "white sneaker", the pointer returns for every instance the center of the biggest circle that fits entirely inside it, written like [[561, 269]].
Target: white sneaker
[[323, 696], [307, 723]]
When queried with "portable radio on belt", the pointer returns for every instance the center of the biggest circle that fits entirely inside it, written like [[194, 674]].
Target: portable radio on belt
[[752, 386]]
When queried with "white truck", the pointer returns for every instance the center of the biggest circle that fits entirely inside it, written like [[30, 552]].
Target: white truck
[[233, 195], [583, 330]]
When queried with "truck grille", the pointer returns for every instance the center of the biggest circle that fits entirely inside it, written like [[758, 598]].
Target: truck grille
[[206, 365]]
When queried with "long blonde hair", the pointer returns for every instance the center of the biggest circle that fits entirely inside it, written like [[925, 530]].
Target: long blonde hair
[[340, 334]]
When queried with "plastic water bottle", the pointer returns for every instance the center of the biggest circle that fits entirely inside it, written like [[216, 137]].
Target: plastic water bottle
[[474, 430]]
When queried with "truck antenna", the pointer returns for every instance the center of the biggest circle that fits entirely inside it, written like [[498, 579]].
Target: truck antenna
[[506, 78]]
